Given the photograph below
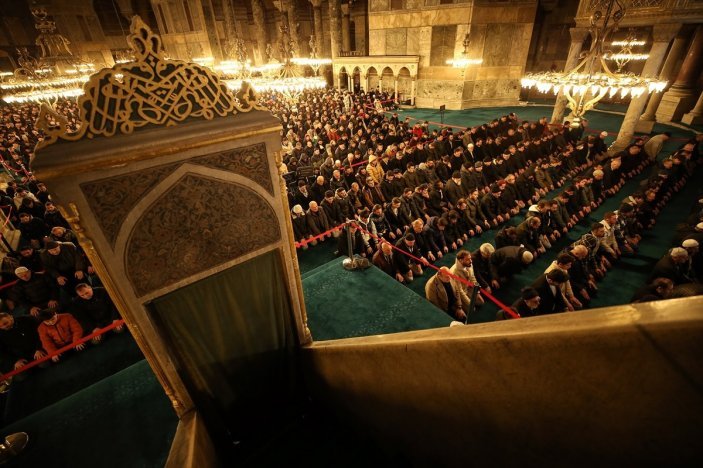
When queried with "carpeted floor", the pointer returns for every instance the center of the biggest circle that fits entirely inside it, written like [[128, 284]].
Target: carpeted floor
[[341, 304], [620, 283], [74, 372], [124, 420]]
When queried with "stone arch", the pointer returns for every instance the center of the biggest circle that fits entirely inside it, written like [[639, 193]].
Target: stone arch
[[404, 84], [372, 77], [356, 79], [387, 80], [149, 270], [343, 78], [112, 21]]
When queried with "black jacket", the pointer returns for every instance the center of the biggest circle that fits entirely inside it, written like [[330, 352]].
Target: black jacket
[[21, 341], [550, 303], [39, 290], [96, 312]]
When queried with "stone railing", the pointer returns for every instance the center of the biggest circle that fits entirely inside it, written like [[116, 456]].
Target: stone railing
[[351, 53], [644, 11]]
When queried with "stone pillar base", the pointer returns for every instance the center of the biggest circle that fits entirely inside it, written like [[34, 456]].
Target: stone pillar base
[[645, 126], [692, 119], [672, 108]]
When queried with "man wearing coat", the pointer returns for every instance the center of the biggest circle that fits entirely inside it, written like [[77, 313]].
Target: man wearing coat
[[548, 286], [447, 294]]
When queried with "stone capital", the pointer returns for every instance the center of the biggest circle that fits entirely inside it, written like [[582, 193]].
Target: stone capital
[[345, 8], [316, 3], [578, 34], [665, 32], [281, 5]]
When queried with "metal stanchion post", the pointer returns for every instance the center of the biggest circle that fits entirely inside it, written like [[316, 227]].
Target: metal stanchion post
[[472, 305], [12, 446], [349, 263]]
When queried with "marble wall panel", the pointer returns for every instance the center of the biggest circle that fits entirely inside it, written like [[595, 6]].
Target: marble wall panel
[[440, 90], [499, 49], [379, 5], [377, 42], [396, 41], [496, 89], [468, 91], [418, 18], [461, 31], [425, 45], [413, 41]]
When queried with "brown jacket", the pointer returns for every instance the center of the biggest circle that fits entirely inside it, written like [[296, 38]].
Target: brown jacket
[[437, 295]]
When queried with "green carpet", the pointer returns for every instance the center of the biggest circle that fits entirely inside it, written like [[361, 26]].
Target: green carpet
[[631, 272], [345, 304], [125, 420], [316, 256], [74, 372]]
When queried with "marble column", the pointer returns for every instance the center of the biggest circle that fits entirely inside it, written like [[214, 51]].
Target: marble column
[[682, 94], [695, 117], [412, 91], [293, 27], [648, 119], [259, 16], [577, 37], [662, 35], [346, 30], [364, 82], [317, 24], [395, 88], [335, 27], [211, 29], [230, 27]]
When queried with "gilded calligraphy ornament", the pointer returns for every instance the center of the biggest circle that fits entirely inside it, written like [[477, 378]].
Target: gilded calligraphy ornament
[[151, 90]]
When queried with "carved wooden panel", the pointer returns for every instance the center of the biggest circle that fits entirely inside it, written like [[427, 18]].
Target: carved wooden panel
[[250, 161], [197, 224], [112, 199]]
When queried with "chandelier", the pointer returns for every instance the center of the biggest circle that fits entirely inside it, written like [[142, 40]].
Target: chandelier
[[57, 73], [283, 77], [313, 61], [465, 61], [591, 79]]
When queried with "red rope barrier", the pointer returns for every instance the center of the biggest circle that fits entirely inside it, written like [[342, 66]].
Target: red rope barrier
[[68, 347], [468, 283], [309, 240], [7, 285]]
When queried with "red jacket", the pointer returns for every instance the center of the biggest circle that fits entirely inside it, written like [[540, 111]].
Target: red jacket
[[65, 331]]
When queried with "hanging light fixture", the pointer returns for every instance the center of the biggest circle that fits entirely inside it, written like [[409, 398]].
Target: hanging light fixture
[[464, 61], [57, 73], [282, 77], [313, 61], [591, 79]]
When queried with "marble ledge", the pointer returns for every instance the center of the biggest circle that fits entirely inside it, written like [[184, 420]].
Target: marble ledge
[[457, 14]]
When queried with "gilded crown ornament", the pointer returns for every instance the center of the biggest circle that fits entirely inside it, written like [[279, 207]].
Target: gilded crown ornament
[[151, 90]]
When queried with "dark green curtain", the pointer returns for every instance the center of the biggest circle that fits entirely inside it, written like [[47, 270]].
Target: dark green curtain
[[232, 335]]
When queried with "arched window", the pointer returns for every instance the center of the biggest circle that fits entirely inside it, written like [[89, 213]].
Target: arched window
[[111, 19]]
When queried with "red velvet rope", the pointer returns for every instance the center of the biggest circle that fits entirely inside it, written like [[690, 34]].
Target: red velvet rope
[[468, 283], [309, 240], [68, 347]]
